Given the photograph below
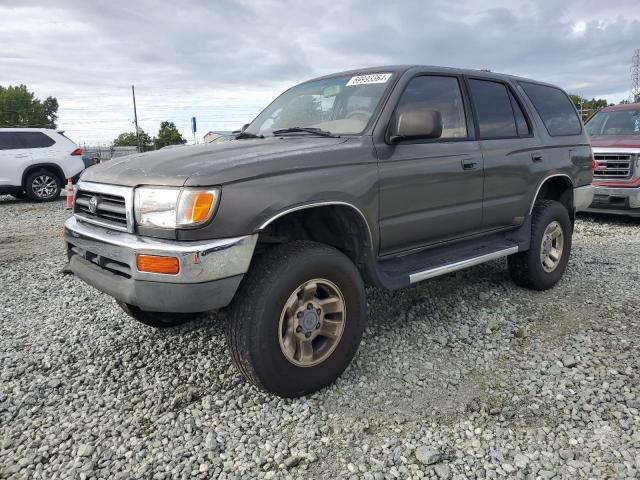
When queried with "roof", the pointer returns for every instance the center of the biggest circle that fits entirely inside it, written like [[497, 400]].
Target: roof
[[622, 107], [431, 68]]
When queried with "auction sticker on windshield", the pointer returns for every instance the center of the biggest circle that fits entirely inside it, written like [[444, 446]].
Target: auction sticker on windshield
[[373, 78]]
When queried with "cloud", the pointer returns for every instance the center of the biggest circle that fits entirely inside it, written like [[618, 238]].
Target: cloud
[[224, 61]]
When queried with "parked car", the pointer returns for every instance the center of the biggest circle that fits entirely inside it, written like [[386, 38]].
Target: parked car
[[615, 138], [35, 162], [386, 177]]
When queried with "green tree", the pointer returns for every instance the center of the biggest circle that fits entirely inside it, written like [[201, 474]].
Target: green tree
[[129, 139], [168, 135], [20, 108], [588, 107]]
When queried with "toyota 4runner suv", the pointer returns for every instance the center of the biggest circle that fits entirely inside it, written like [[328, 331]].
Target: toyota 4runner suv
[[386, 177], [615, 138]]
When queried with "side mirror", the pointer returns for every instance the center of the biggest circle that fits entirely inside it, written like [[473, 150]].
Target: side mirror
[[413, 123], [245, 126]]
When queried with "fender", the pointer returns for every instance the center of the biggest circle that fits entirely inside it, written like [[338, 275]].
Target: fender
[[544, 180], [47, 165], [319, 204]]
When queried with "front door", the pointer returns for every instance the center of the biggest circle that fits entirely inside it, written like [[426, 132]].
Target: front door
[[431, 190]]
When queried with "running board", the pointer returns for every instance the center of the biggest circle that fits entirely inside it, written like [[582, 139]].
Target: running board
[[468, 262]]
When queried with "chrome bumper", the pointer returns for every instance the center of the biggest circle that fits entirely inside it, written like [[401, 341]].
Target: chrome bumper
[[623, 201], [200, 261], [582, 197]]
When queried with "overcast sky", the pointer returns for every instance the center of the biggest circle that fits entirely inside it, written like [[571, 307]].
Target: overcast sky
[[224, 61]]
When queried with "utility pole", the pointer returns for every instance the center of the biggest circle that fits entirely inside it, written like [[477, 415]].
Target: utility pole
[[135, 118], [635, 76]]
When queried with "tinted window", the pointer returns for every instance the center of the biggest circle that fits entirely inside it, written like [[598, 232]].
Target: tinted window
[[442, 94], [34, 140], [555, 109], [521, 120], [9, 141], [493, 107]]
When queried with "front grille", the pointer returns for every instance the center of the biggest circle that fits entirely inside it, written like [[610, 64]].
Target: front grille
[[618, 166], [110, 210]]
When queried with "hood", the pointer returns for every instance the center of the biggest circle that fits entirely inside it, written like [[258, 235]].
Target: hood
[[615, 141], [216, 163]]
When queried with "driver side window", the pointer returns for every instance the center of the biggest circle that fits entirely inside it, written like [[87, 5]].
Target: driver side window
[[442, 94]]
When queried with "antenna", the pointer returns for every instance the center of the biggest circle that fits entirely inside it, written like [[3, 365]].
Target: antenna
[[635, 76]]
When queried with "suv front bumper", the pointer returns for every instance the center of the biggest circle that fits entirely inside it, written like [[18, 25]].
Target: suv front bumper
[[209, 275], [618, 201]]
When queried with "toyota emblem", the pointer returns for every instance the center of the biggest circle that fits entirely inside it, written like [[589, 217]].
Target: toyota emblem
[[93, 204]]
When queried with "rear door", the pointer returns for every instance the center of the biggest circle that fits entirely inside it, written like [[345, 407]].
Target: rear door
[[14, 158], [510, 150], [431, 190], [41, 147]]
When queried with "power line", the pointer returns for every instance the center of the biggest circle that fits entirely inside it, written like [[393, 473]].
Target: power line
[[635, 75]]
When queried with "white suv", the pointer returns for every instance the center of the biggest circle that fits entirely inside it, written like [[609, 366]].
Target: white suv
[[34, 162]]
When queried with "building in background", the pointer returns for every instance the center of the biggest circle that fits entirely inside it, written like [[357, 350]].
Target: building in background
[[215, 137]]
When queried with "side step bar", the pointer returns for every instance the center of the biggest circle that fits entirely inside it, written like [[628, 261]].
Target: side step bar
[[468, 262]]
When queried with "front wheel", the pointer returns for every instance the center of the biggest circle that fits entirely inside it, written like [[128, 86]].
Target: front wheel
[[543, 265], [298, 318], [156, 319]]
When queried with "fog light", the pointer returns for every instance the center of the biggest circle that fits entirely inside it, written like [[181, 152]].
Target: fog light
[[157, 264]]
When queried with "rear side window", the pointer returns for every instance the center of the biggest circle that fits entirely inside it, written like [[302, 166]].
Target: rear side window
[[493, 107], [555, 109], [35, 140], [521, 121], [9, 141], [442, 94]]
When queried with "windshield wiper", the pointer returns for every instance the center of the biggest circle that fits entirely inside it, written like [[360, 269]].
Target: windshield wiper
[[315, 131], [248, 135]]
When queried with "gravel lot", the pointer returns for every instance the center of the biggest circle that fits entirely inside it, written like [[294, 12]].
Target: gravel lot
[[466, 376]]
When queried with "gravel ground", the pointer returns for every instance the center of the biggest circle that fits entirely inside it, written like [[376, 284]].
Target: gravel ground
[[466, 376]]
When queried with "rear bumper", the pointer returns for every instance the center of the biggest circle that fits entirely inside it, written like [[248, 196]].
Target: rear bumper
[[619, 201], [209, 275], [582, 197]]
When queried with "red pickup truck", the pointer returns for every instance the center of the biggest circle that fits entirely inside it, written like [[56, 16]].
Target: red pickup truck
[[615, 139]]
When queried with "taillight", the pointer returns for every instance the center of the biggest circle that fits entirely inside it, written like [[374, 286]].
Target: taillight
[[77, 152]]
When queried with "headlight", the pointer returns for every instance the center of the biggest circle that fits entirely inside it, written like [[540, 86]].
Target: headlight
[[174, 207]]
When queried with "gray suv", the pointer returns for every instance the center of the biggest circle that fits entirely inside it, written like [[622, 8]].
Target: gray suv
[[386, 177]]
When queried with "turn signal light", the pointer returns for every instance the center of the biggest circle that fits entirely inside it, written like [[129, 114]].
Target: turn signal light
[[198, 206], [157, 264]]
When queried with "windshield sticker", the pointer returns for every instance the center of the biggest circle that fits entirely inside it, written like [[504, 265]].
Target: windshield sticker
[[366, 79]]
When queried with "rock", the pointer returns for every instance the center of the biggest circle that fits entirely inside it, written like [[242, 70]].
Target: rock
[[569, 361], [292, 461], [442, 470], [85, 450], [427, 455]]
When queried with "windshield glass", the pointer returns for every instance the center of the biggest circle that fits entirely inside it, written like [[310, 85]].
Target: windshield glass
[[623, 122], [340, 105]]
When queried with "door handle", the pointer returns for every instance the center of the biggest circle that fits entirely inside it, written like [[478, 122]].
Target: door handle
[[536, 156], [22, 155], [468, 164]]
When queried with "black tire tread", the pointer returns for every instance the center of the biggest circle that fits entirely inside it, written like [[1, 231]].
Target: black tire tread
[[265, 266], [28, 192], [519, 264]]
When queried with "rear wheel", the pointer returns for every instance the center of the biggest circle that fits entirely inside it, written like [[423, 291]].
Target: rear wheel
[[543, 265], [156, 319], [297, 319], [42, 186]]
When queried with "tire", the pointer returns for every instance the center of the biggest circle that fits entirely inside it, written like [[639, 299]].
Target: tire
[[260, 327], [527, 268], [157, 319], [42, 186]]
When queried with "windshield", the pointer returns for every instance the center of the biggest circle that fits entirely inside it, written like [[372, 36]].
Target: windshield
[[339, 105], [622, 122]]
